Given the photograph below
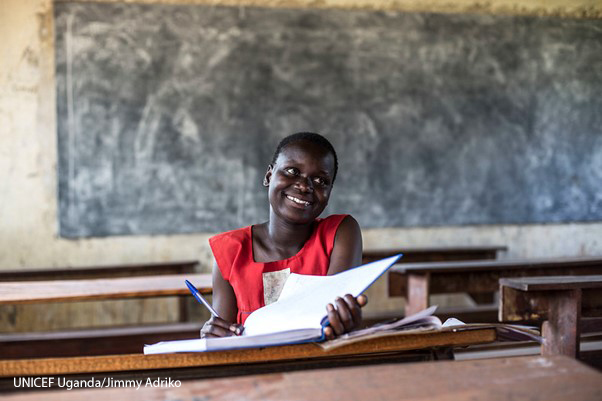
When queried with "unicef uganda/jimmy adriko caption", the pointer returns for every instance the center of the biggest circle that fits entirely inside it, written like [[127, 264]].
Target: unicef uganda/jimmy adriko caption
[[105, 382]]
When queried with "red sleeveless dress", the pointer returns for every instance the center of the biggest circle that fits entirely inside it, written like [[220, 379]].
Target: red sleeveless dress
[[258, 284]]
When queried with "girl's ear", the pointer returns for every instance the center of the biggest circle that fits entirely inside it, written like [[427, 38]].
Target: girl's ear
[[268, 176]]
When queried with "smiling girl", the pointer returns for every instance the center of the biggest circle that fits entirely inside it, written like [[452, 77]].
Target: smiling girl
[[252, 263]]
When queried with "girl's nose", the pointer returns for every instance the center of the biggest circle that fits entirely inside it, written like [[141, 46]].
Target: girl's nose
[[304, 184]]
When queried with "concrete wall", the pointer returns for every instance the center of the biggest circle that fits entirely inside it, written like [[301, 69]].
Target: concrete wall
[[28, 198]]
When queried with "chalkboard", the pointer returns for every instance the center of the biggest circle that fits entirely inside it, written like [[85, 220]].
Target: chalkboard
[[169, 114]]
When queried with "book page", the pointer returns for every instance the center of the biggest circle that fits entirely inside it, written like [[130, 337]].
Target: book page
[[303, 301]]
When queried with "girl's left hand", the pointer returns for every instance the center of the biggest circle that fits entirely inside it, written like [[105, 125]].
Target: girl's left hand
[[346, 316]]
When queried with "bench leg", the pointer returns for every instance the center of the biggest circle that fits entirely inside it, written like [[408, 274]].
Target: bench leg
[[418, 293], [561, 332]]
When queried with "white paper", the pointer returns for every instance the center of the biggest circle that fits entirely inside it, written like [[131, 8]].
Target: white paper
[[304, 305]]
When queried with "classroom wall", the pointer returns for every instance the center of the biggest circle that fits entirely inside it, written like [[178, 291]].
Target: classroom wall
[[28, 158]]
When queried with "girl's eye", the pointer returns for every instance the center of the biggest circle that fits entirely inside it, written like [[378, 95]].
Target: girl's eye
[[291, 171], [320, 181]]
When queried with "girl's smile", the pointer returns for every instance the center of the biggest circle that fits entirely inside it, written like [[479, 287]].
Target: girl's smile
[[300, 202]]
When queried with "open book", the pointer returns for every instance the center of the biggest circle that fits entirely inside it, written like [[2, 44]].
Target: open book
[[421, 321], [298, 316], [425, 321]]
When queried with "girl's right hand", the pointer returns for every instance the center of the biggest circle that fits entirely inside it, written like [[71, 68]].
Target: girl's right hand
[[217, 327]]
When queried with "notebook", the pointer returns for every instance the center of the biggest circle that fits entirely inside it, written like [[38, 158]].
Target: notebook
[[298, 316]]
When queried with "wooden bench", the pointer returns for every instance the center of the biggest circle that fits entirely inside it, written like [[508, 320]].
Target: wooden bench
[[109, 271], [558, 301], [435, 254], [536, 378], [417, 281]]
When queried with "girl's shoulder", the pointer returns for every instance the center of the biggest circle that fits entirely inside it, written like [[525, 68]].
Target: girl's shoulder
[[238, 235], [329, 225], [333, 220]]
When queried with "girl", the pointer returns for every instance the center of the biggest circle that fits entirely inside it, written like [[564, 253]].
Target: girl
[[252, 263]]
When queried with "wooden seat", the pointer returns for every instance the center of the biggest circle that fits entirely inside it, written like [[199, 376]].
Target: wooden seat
[[435, 254], [558, 301], [91, 272], [417, 281]]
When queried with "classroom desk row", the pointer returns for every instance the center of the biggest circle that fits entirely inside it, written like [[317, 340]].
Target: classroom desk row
[[417, 282]]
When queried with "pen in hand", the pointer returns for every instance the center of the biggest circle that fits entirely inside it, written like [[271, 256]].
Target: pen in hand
[[233, 328], [200, 298]]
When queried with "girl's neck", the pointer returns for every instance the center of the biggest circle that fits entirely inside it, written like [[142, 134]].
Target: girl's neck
[[286, 235], [279, 240]]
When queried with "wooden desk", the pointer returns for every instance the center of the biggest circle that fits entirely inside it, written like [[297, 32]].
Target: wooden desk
[[27, 292], [534, 378], [435, 254], [238, 361], [560, 301], [109, 271], [417, 281]]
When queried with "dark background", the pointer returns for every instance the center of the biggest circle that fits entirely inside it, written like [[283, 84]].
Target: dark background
[[169, 115]]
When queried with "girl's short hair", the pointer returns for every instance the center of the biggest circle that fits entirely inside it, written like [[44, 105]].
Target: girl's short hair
[[311, 137]]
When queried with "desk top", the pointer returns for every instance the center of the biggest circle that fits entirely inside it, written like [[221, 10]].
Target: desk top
[[533, 377], [436, 249], [552, 283], [88, 272], [443, 253], [139, 362], [27, 292], [493, 265]]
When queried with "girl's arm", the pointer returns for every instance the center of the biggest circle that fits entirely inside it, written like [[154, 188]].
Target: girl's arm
[[347, 250], [347, 253], [224, 303]]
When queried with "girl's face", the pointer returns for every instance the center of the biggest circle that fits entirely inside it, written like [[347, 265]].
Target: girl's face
[[300, 182]]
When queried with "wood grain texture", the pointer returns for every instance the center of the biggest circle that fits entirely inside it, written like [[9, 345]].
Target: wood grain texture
[[492, 265], [434, 254], [418, 293], [518, 305], [552, 283], [101, 289], [135, 362], [535, 378], [561, 332], [109, 271], [558, 301]]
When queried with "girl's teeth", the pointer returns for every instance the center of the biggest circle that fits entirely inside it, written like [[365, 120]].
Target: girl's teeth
[[299, 201]]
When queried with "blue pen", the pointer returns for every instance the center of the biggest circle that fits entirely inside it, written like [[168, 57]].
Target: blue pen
[[199, 297]]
